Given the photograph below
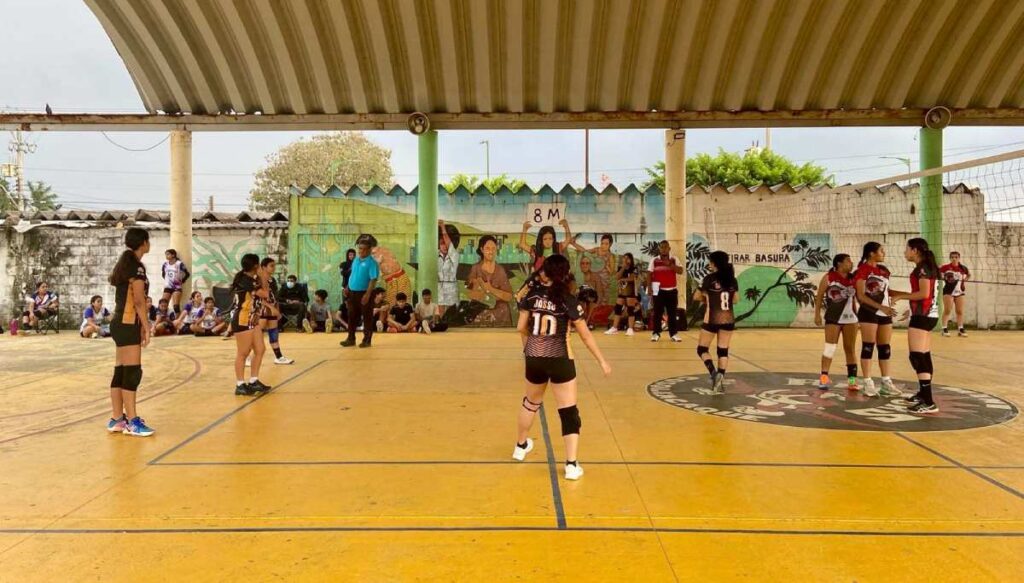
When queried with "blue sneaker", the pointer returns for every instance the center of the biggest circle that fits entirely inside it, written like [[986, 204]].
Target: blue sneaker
[[117, 425], [138, 428]]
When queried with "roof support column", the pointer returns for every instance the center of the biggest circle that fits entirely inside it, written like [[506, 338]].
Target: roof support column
[[426, 215], [931, 189], [181, 199], [675, 200]]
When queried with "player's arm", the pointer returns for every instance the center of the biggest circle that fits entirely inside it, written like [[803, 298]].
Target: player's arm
[[139, 300], [588, 340], [184, 273], [925, 288], [522, 238], [864, 300], [819, 299], [523, 326]]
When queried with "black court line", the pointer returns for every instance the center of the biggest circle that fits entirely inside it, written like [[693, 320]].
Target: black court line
[[556, 492], [205, 430], [988, 479], [589, 463], [612, 529]]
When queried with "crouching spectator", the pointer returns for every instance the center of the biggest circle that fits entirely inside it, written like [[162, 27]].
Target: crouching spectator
[[189, 315], [163, 320], [95, 319], [428, 314], [39, 306], [320, 312], [401, 316], [208, 321], [292, 300]]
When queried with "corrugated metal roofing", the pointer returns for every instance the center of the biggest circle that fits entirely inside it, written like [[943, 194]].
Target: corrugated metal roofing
[[248, 218], [543, 56]]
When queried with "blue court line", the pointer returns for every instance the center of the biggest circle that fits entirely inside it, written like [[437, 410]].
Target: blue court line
[[556, 492], [227, 416], [972, 470], [589, 463]]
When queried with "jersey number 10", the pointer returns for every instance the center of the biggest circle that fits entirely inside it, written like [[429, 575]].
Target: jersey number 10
[[544, 325]]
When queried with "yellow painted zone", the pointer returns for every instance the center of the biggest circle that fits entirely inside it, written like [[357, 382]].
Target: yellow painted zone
[[393, 464]]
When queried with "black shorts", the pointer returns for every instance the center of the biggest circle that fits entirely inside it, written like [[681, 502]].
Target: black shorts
[[622, 297], [716, 328], [866, 315], [171, 290], [238, 329], [923, 323], [126, 334], [541, 370]]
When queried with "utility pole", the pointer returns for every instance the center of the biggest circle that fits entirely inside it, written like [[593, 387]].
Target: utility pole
[[768, 139], [211, 203], [19, 147], [487, 151], [586, 157]]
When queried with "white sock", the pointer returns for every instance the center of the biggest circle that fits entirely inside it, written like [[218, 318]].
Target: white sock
[[239, 383], [253, 380], [887, 378]]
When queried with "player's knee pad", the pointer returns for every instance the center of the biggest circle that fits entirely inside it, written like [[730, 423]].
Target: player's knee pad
[[132, 377], [117, 381], [571, 422], [867, 349], [701, 351], [884, 352], [922, 362], [915, 361], [530, 405], [634, 311], [722, 352], [273, 334], [830, 350], [618, 309]]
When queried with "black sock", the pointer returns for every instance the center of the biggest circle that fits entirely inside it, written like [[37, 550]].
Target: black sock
[[277, 352], [710, 366], [961, 329], [851, 370], [824, 373], [721, 371], [926, 391], [521, 445], [571, 463], [177, 309]]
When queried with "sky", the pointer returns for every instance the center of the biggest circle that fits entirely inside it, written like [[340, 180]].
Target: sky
[[56, 52]]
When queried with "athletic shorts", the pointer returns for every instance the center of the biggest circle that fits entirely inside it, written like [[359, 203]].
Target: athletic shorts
[[867, 315], [541, 370], [238, 329], [951, 289], [923, 323], [126, 334], [621, 297], [716, 328], [171, 290]]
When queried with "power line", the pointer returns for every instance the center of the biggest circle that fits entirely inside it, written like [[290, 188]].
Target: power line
[[127, 149]]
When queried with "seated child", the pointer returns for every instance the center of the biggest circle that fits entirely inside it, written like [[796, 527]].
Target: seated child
[[320, 312], [380, 309], [189, 314], [95, 319], [402, 316], [428, 314], [208, 321], [163, 322]]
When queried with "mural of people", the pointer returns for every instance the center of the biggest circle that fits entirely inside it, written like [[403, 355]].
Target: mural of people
[[488, 287], [393, 277], [546, 243], [448, 238], [604, 264]]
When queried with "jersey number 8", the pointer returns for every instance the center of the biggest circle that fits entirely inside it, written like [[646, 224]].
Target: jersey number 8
[[725, 300], [544, 325]]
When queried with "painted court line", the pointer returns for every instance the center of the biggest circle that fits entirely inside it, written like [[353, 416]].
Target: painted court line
[[227, 416], [589, 463], [985, 477], [556, 492]]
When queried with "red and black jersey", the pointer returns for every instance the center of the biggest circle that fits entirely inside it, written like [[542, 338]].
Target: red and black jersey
[[548, 326], [876, 283], [927, 307], [840, 299], [719, 297], [954, 278]]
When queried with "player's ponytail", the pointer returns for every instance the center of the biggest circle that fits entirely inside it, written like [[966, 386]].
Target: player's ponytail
[[869, 248], [838, 260], [724, 270], [556, 268], [927, 255]]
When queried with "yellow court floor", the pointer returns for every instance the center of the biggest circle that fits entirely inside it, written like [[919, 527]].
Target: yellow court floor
[[394, 464]]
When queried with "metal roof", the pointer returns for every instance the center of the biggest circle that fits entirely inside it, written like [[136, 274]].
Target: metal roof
[[620, 57], [212, 219]]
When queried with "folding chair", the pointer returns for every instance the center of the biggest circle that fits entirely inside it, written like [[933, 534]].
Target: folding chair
[[51, 323]]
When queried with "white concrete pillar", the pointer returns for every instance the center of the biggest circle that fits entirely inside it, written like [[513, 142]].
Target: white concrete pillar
[[675, 200], [181, 201]]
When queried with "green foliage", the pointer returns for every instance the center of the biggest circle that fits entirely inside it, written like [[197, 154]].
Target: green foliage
[[749, 169], [344, 159], [798, 289], [41, 197], [471, 182]]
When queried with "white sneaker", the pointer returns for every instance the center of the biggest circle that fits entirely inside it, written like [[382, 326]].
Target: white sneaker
[[94, 335], [611, 331], [629, 332], [426, 327], [519, 453], [307, 326], [869, 388], [283, 360], [889, 389], [676, 338], [655, 337], [573, 472], [380, 326]]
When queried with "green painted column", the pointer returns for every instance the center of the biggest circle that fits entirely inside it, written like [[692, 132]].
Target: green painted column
[[930, 206], [426, 215]]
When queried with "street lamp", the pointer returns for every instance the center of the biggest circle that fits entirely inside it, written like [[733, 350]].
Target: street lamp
[[487, 152], [906, 161]]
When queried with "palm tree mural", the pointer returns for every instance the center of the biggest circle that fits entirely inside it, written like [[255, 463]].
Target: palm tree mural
[[799, 290]]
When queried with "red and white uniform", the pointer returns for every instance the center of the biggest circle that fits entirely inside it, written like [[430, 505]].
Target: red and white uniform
[[927, 307], [954, 278], [840, 299], [876, 283], [663, 272]]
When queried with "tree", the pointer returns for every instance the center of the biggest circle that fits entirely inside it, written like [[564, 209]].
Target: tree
[[344, 159], [799, 290], [41, 197], [752, 168], [472, 182]]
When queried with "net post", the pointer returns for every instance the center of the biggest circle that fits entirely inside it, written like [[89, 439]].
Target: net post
[[930, 192]]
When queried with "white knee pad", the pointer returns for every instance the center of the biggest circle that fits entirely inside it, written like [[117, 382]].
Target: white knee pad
[[830, 350]]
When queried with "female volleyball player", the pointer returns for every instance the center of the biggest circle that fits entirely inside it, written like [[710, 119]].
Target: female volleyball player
[[924, 315], [627, 301], [875, 317], [271, 311], [545, 314], [955, 275], [130, 331], [836, 293], [718, 292], [175, 275], [245, 323]]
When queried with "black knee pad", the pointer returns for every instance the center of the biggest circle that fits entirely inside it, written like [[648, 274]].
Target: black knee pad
[[618, 309], [634, 311], [571, 422], [530, 405], [118, 379], [132, 377], [723, 352], [867, 349], [922, 362], [884, 352], [701, 351], [915, 361]]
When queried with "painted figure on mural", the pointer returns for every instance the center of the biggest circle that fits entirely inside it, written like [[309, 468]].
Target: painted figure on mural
[[546, 244], [604, 264], [591, 278], [393, 277], [488, 287], [448, 238]]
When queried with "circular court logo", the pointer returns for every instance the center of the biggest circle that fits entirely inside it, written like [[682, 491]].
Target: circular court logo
[[792, 399]]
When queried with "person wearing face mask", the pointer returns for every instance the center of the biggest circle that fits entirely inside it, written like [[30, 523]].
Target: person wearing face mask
[[293, 299]]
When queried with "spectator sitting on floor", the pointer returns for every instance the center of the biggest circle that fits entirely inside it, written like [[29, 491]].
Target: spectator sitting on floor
[[163, 322], [380, 308], [208, 321], [39, 306], [320, 312], [402, 316], [150, 312], [428, 314], [188, 315], [293, 299], [95, 319]]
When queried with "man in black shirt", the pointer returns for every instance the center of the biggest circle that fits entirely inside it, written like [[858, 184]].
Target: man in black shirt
[[402, 317], [293, 298]]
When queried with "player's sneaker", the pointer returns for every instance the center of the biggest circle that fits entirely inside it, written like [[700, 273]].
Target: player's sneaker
[[283, 360], [573, 471], [655, 337], [244, 390], [137, 428], [961, 333], [611, 331], [519, 453], [307, 326], [329, 326], [117, 425], [869, 387], [824, 383], [945, 332], [258, 387], [675, 338], [851, 383], [911, 400], [629, 332], [718, 383], [923, 408], [889, 390]]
